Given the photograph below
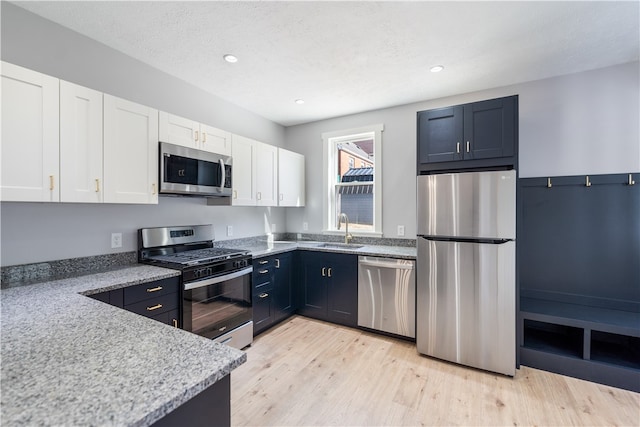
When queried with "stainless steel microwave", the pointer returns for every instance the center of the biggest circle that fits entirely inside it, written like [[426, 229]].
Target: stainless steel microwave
[[191, 172]]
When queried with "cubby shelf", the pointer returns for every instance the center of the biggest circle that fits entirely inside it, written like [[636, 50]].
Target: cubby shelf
[[590, 343]]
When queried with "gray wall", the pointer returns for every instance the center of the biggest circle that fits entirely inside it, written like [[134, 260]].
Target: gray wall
[[34, 232], [584, 123]]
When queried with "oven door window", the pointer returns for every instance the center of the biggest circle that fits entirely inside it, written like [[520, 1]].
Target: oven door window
[[213, 310], [183, 170]]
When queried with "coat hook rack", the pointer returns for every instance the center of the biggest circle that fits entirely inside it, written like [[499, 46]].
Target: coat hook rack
[[631, 181], [548, 182], [588, 182]]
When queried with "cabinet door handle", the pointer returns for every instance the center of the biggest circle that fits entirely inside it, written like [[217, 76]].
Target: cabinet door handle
[[175, 322], [263, 271], [263, 295], [204, 137], [155, 307], [153, 189], [281, 197], [457, 147], [277, 263], [264, 262], [97, 185], [51, 183], [324, 271], [157, 288], [468, 147], [196, 135], [235, 194], [259, 195], [329, 271]]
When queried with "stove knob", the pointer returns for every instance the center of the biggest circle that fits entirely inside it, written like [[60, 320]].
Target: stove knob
[[196, 273]]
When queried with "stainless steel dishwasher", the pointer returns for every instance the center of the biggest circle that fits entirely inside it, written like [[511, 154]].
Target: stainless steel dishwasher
[[387, 295]]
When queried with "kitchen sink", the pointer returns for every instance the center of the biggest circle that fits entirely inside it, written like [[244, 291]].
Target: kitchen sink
[[340, 245]]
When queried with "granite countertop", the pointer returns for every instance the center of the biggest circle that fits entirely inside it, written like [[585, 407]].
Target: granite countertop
[[71, 360], [265, 248]]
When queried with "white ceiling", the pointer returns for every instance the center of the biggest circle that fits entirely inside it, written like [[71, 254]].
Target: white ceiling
[[349, 57]]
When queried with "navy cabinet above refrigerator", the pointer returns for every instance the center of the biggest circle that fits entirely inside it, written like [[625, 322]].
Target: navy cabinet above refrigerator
[[482, 134]]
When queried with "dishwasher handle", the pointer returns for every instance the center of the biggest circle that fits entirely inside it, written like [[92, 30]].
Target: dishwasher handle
[[386, 264]]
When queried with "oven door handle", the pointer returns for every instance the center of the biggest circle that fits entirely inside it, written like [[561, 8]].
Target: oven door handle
[[219, 279]]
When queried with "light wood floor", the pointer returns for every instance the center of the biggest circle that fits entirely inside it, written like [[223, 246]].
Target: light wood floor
[[305, 372]]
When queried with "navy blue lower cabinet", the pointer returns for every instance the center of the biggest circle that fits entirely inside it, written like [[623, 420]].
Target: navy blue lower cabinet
[[284, 296], [273, 293], [158, 300], [329, 287]]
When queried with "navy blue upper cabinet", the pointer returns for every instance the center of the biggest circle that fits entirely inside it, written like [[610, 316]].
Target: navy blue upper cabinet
[[476, 135]]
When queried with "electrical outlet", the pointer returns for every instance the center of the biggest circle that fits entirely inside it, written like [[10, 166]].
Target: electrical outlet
[[116, 240], [229, 230], [305, 226], [401, 230]]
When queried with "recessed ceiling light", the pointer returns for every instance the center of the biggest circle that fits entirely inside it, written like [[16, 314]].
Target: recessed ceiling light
[[299, 101], [230, 58], [436, 68]]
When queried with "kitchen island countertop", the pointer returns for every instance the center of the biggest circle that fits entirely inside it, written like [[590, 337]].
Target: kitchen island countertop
[[71, 360]]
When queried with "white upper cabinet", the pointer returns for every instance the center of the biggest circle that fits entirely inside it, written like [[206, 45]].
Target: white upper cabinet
[[254, 173], [266, 170], [81, 177], [30, 136], [243, 179], [291, 181], [130, 152], [189, 133], [215, 140]]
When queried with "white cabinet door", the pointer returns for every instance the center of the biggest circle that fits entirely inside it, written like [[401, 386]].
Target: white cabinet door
[[215, 140], [242, 176], [30, 136], [178, 130], [291, 181], [80, 144], [130, 152], [266, 170]]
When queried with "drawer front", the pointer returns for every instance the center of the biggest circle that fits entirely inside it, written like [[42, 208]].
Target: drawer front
[[169, 318], [262, 263], [134, 294], [155, 306]]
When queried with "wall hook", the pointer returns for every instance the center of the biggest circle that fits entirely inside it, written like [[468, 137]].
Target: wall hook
[[587, 182], [631, 181], [548, 182]]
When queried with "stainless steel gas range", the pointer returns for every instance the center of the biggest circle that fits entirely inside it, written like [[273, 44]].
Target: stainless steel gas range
[[216, 282]]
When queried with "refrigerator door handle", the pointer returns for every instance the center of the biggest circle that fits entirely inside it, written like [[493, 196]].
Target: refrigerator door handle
[[492, 241]]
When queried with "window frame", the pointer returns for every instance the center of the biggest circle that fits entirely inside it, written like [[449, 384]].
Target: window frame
[[329, 140]]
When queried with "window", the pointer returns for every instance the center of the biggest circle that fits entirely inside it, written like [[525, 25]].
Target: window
[[354, 191]]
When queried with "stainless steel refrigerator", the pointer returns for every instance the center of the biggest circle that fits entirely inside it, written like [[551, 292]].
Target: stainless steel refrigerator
[[465, 295]]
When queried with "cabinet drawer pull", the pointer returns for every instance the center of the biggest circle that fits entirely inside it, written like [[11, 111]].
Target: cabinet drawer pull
[[458, 147], [263, 295], [155, 307], [175, 322], [263, 271], [157, 288], [324, 271], [468, 147], [329, 272], [264, 262]]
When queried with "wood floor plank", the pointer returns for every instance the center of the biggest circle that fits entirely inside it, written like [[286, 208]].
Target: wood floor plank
[[307, 372]]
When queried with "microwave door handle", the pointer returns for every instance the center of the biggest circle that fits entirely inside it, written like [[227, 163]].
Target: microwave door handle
[[224, 175]]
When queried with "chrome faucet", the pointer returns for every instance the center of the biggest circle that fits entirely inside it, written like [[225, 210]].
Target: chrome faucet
[[347, 236]]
